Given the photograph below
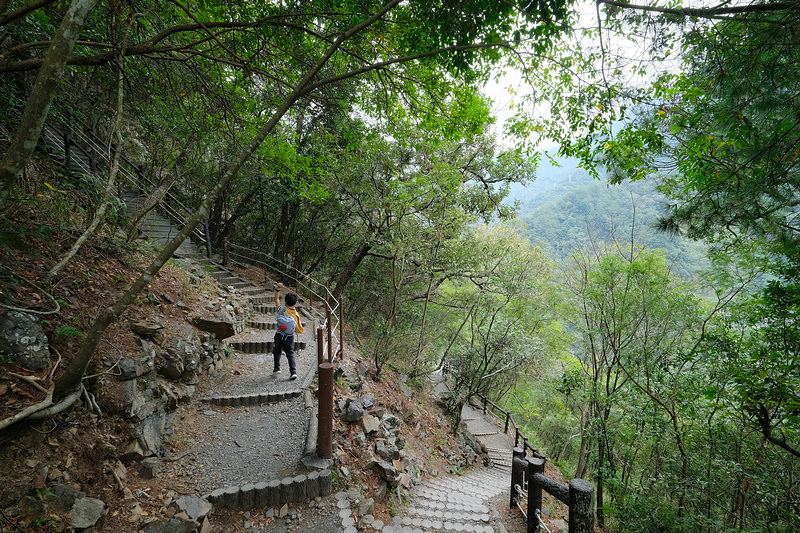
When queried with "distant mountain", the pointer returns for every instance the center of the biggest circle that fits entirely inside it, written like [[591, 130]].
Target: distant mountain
[[565, 208]]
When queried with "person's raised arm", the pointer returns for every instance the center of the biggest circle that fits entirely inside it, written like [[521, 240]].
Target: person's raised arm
[[278, 295]]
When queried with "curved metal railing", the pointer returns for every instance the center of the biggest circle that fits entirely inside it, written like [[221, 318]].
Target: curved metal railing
[[304, 284], [486, 403]]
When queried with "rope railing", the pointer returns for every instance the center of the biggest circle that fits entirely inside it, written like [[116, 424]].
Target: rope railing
[[542, 525]]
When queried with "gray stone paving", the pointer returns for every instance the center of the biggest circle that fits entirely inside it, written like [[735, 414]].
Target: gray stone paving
[[459, 503]]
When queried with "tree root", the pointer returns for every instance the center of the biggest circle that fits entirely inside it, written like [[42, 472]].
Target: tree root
[[31, 410], [57, 408]]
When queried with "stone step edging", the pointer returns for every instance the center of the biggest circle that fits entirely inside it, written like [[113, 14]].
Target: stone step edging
[[253, 399], [250, 347], [273, 493]]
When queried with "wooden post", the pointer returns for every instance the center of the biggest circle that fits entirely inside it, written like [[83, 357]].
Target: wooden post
[[225, 251], [310, 292], [535, 466], [581, 510], [518, 466], [325, 426], [508, 418]]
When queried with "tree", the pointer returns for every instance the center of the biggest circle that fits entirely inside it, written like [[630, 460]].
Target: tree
[[634, 319], [333, 44], [501, 311]]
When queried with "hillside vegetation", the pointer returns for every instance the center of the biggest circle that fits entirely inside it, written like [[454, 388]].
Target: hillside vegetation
[[349, 143]]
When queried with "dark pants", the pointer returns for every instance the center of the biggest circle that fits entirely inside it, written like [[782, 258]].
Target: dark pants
[[285, 344]]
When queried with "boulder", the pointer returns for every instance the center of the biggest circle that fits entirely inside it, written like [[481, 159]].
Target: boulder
[[370, 424], [146, 328], [381, 450], [86, 512], [23, 341], [388, 473], [220, 324], [196, 508], [353, 411]]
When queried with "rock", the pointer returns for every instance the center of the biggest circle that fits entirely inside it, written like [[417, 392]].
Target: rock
[[149, 467], [146, 328], [559, 526], [23, 341], [134, 368], [133, 451], [86, 512], [381, 492], [220, 324], [353, 411], [382, 450], [370, 424], [369, 402], [283, 510], [391, 425], [365, 506], [360, 439], [196, 508], [388, 473], [169, 365]]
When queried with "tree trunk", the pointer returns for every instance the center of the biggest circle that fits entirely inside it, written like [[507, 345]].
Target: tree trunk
[[347, 273], [71, 379], [601, 455], [38, 105]]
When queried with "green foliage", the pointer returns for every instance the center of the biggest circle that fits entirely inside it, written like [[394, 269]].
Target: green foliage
[[66, 331]]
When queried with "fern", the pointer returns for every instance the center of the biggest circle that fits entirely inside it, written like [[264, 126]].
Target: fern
[[68, 332]]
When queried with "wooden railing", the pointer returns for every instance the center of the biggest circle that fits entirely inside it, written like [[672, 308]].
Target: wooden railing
[[528, 480], [508, 417]]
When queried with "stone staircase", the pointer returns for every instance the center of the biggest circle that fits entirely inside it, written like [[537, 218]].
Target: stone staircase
[[248, 402], [271, 421]]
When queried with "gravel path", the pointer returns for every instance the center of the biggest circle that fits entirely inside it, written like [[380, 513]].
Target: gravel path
[[234, 446], [249, 373]]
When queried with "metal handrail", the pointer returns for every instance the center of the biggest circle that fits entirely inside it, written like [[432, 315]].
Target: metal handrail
[[173, 208], [249, 257], [510, 422]]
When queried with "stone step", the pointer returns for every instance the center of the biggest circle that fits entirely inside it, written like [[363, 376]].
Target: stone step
[[273, 493], [253, 290], [262, 325], [261, 346], [253, 399]]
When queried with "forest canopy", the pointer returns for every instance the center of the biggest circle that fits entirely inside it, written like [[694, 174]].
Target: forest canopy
[[352, 142]]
